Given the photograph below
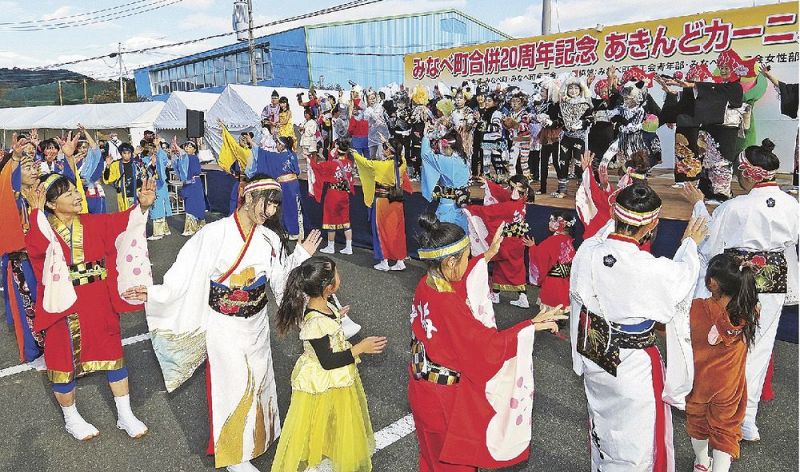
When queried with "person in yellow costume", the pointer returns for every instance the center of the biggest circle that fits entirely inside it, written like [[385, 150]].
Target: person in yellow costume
[[384, 182], [125, 175], [234, 159], [328, 416]]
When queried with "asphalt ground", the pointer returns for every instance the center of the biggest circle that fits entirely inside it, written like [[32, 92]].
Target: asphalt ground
[[33, 436]]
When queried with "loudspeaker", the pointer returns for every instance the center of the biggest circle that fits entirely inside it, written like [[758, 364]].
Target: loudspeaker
[[194, 124]]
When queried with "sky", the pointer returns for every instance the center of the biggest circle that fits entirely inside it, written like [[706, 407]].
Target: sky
[[79, 35]]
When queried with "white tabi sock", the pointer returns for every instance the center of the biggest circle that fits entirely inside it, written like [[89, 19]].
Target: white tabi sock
[[78, 427], [700, 447], [126, 420], [722, 461]]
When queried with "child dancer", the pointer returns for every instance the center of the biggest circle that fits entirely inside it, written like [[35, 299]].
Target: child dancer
[[551, 261], [337, 173], [328, 415], [723, 328]]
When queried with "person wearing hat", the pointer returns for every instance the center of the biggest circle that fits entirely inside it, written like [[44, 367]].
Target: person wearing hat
[[187, 166], [125, 175], [212, 308], [334, 179], [271, 111], [759, 227]]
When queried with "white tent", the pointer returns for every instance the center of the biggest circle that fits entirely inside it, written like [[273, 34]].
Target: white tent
[[240, 106], [173, 115], [133, 117]]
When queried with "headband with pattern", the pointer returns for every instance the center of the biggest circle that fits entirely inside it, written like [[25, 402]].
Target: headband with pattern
[[50, 180], [439, 253], [262, 184], [635, 218], [753, 172]]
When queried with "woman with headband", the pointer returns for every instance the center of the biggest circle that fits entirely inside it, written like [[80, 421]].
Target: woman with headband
[[84, 264], [216, 292], [759, 227], [470, 385], [187, 166], [618, 293]]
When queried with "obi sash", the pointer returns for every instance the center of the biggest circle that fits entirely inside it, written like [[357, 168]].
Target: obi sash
[[342, 185], [600, 340], [84, 273], [240, 302], [518, 229], [561, 271], [769, 266], [460, 195], [425, 369]]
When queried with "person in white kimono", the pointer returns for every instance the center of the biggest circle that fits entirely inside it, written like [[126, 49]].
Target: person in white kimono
[[760, 227], [618, 293], [213, 303]]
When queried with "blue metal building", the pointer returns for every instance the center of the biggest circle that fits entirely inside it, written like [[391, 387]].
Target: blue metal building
[[369, 52]]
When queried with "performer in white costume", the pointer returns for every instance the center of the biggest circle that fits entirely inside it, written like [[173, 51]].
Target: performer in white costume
[[618, 293], [213, 302], [761, 227]]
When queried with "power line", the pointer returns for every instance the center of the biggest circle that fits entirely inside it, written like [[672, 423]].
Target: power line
[[342, 7], [101, 19], [75, 15]]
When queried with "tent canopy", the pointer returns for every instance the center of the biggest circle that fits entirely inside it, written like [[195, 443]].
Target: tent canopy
[[240, 106], [173, 115], [91, 116]]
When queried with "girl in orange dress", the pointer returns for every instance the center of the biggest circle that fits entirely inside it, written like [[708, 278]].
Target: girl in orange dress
[[723, 328]]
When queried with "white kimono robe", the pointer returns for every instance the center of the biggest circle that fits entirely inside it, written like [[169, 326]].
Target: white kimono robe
[[766, 219], [184, 329], [616, 280]]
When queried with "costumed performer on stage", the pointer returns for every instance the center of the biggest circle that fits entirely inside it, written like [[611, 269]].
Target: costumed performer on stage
[[334, 178], [445, 176], [213, 305]]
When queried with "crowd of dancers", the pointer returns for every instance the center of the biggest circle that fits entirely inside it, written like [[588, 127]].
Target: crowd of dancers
[[70, 267]]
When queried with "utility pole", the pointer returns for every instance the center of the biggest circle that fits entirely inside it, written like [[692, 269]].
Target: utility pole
[[85, 92], [60, 94], [119, 56], [251, 44], [546, 21]]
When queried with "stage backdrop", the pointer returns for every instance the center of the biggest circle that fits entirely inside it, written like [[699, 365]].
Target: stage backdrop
[[660, 46]]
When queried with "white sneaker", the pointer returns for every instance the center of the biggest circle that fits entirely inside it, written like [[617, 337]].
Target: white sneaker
[[132, 426], [678, 184], [494, 297], [329, 249], [521, 302], [399, 265], [750, 432], [81, 429], [154, 238], [347, 250], [382, 265], [245, 466], [38, 364]]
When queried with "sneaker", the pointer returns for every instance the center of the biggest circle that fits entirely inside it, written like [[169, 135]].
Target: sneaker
[[382, 265], [399, 265], [558, 195], [678, 185], [38, 364], [494, 297], [539, 192], [329, 249], [132, 426], [750, 432], [154, 238], [347, 250]]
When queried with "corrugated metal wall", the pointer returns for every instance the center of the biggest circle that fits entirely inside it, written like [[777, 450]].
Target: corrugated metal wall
[[389, 39]]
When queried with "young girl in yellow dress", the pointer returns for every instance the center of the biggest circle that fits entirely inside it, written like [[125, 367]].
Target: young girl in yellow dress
[[328, 415]]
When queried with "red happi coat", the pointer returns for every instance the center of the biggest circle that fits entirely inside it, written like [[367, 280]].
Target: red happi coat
[[336, 207], [484, 420], [484, 220], [98, 303], [556, 249]]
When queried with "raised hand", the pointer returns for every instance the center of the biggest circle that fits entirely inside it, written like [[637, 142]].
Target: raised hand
[[18, 146], [602, 172], [691, 193], [586, 159], [69, 144], [697, 229], [35, 197], [312, 242], [495, 246], [147, 194]]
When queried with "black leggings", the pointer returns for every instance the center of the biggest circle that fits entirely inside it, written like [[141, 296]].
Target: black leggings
[[571, 151], [549, 152]]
